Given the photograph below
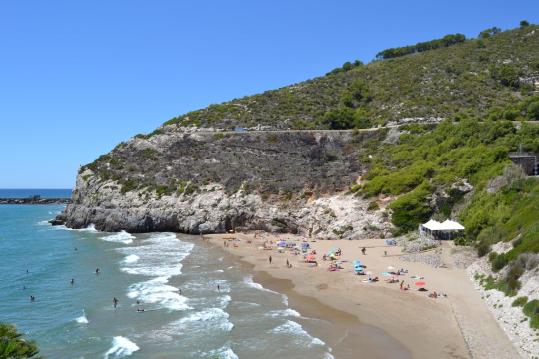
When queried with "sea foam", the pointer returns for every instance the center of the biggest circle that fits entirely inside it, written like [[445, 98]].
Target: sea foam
[[159, 257], [120, 237], [157, 291], [292, 328], [210, 317], [121, 347], [82, 319]]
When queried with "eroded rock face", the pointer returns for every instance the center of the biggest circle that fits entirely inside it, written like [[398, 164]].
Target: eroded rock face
[[203, 183]]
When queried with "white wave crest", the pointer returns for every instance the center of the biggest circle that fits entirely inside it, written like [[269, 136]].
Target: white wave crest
[[214, 317], [160, 256], [82, 319], [251, 283], [121, 347], [284, 313], [222, 353], [90, 228], [156, 291], [132, 258], [120, 237], [293, 328]]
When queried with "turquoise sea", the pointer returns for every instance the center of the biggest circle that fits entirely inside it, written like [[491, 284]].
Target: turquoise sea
[[175, 279]]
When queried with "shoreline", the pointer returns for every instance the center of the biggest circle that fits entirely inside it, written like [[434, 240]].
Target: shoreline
[[457, 326]]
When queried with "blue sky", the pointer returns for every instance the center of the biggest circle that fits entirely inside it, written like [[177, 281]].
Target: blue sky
[[78, 77]]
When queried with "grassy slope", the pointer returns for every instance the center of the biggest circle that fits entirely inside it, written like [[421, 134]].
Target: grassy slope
[[435, 83]]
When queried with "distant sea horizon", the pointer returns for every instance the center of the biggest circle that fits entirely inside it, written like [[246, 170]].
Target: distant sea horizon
[[28, 192]]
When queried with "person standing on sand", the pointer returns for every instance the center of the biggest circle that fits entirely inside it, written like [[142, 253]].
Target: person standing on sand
[[287, 263], [269, 259], [364, 250], [402, 284]]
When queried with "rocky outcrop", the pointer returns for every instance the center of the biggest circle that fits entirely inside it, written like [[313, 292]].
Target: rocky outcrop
[[203, 182]]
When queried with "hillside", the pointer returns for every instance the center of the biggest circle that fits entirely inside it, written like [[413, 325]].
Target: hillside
[[473, 76]]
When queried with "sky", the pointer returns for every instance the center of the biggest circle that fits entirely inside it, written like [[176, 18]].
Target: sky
[[78, 77]]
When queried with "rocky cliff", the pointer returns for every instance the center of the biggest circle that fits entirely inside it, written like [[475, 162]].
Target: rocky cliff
[[199, 181]]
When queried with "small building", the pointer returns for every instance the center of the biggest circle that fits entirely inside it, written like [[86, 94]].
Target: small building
[[445, 230], [528, 162]]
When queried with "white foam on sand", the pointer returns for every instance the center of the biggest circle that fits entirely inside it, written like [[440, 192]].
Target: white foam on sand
[[120, 237], [82, 319], [121, 347], [295, 329], [251, 283]]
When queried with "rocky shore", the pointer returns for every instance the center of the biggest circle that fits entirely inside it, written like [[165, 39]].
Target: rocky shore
[[205, 182]]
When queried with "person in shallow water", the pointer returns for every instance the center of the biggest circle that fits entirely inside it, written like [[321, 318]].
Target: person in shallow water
[[72, 281], [115, 302], [218, 288], [96, 271], [32, 298]]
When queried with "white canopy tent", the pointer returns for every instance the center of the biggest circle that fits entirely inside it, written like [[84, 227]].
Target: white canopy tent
[[443, 230]]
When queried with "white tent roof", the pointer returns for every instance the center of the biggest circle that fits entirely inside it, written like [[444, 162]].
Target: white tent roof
[[432, 225], [447, 225]]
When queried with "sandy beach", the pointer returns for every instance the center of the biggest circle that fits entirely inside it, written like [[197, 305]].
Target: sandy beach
[[378, 320]]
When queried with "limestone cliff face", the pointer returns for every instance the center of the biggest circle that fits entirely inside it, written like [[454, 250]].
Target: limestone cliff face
[[202, 182]]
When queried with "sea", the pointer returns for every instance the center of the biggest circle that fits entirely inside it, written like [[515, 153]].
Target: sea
[[178, 296]]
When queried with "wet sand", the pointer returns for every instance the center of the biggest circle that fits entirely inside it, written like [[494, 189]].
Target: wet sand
[[377, 320]]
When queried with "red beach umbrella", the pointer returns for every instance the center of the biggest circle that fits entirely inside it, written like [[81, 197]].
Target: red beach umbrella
[[420, 284]]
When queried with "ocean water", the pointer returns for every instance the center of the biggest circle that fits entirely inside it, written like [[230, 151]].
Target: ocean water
[[175, 278]]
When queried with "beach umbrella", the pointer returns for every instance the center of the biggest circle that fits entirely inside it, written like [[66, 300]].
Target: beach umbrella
[[420, 283]]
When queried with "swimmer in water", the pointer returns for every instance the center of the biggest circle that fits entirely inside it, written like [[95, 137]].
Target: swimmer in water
[[96, 271], [115, 302], [72, 281]]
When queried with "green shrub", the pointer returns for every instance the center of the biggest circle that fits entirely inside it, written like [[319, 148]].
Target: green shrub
[[520, 302], [13, 345], [373, 206], [483, 247], [498, 261], [531, 309]]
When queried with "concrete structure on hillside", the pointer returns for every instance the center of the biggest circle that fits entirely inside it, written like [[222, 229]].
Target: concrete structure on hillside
[[526, 160]]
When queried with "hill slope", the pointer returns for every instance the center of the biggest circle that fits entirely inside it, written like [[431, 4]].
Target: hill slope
[[471, 76]]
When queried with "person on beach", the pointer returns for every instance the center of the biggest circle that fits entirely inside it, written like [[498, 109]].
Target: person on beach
[[115, 302], [364, 250], [72, 281], [180, 291], [269, 259], [402, 284], [287, 264]]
